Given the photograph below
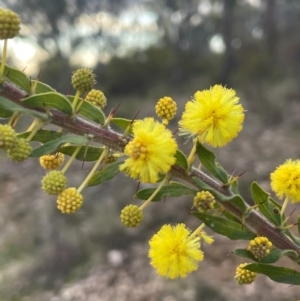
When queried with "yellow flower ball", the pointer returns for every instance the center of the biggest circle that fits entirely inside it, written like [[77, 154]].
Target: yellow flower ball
[[174, 254], [214, 116], [285, 180], [151, 152]]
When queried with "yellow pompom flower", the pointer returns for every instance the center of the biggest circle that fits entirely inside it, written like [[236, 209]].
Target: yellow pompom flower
[[173, 252], [214, 116], [150, 153], [285, 180]]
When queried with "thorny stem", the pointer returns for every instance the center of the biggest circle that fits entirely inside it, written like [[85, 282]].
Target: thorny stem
[[254, 220]]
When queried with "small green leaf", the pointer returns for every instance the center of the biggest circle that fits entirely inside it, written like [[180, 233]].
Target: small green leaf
[[234, 187], [267, 208], [181, 159], [5, 113], [235, 199], [17, 77], [278, 274], [208, 159], [122, 123], [272, 257], [244, 253], [42, 87], [230, 216], [87, 154], [225, 227], [174, 190], [105, 174], [89, 111], [42, 136], [11, 106], [53, 145], [51, 100]]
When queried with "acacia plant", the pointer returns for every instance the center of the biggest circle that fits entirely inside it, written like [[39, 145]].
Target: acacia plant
[[147, 151]]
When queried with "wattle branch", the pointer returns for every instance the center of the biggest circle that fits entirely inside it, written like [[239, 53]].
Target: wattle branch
[[250, 218]]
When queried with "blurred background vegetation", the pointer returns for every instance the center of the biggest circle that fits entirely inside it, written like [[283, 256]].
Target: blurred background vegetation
[[142, 50]]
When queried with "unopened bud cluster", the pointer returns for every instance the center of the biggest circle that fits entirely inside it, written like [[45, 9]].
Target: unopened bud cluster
[[131, 216], [54, 182], [18, 149], [260, 247], [204, 201], [166, 108], [9, 24], [244, 276], [83, 80], [8, 137], [52, 161], [69, 201], [21, 151], [96, 98]]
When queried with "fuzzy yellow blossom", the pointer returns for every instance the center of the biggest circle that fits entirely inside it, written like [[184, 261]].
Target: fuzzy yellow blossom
[[173, 252], [214, 116], [285, 180], [150, 153]]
